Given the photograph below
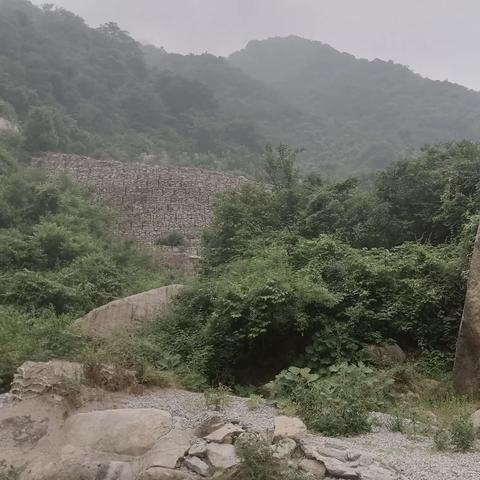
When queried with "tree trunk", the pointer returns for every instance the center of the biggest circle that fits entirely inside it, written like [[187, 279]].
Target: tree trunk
[[466, 373]]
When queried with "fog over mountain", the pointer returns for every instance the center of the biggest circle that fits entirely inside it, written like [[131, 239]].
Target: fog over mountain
[[436, 38]]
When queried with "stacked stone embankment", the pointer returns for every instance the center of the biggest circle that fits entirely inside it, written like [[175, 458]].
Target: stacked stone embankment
[[151, 200]]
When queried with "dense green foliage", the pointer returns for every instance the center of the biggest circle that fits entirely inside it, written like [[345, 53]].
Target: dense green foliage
[[98, 92], [58, 260], [83, 90], [337, 404], [299, 274]]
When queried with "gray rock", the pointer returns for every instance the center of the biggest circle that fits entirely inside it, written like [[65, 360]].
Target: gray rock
[[37, 378], [222, 456], [384, 355], [225, 434], [377, 472], [127, 313], [159, 473], [284, 448], [339, 469], [317, 469], [288, 427], [123, 432], [198, 466], [168, 450], [198, 449]]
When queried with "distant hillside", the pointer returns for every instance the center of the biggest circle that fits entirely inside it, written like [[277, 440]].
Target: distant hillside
[[97, 92], [90, 91], [361, 113]]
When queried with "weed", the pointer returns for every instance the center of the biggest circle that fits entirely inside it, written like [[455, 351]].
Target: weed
[[255, 401], [257, 458], [462, 434], [441, 440], [159, 378], [217, 398], [397, 423]]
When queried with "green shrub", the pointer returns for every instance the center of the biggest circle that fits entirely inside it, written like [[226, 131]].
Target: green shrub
[[218, 398], [36, 337], [462, 434], [257, 462], [172, 239], [441, 440], [337, 404], [289, 381]]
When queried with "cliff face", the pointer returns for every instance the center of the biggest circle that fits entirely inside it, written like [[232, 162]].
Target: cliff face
[[467, 359], [151, 200]]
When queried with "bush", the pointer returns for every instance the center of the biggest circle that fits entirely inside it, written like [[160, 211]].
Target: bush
[[218, 398], [441, 440], [37, 338], [462, 434], [258, 463], [257, 459], [338, 404], [172, 239]]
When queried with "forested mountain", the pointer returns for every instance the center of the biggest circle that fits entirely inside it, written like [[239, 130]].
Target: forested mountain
[[360, 113], [77, 89], [83, 90]]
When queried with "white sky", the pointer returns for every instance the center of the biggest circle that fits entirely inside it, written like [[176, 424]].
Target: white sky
[[438, 38]]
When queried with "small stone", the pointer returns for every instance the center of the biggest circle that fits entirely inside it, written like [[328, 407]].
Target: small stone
[[225, 434], [209, 425], [288, 427], [160, 473], [336, 468], [198, 466], [376, 472], [198, 449], [222, 456], [317, 469], [284, 448]]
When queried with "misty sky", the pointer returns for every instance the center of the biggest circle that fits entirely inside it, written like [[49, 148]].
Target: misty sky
[[437, 38]]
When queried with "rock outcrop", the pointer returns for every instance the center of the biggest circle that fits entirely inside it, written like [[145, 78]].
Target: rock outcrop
[[467, 358], [127, 313], [43, 439], [38, 378]]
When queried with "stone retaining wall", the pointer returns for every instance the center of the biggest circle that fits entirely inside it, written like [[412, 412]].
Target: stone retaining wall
[[152, 200]]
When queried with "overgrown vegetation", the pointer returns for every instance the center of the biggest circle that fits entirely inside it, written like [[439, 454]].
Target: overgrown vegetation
[[97, 91], [258, 463], [57, 261], [302, 275]]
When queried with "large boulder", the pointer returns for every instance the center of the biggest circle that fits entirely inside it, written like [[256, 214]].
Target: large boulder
[[37, 378], [127, 313], [168, 450], [466, 372], [384, 355], [131, 432]]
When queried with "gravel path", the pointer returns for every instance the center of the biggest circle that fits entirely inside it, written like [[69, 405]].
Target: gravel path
[[190, 410], [415, 458]]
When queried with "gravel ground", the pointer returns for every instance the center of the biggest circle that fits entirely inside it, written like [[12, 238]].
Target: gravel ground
[[415, 458], [190, 410]]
